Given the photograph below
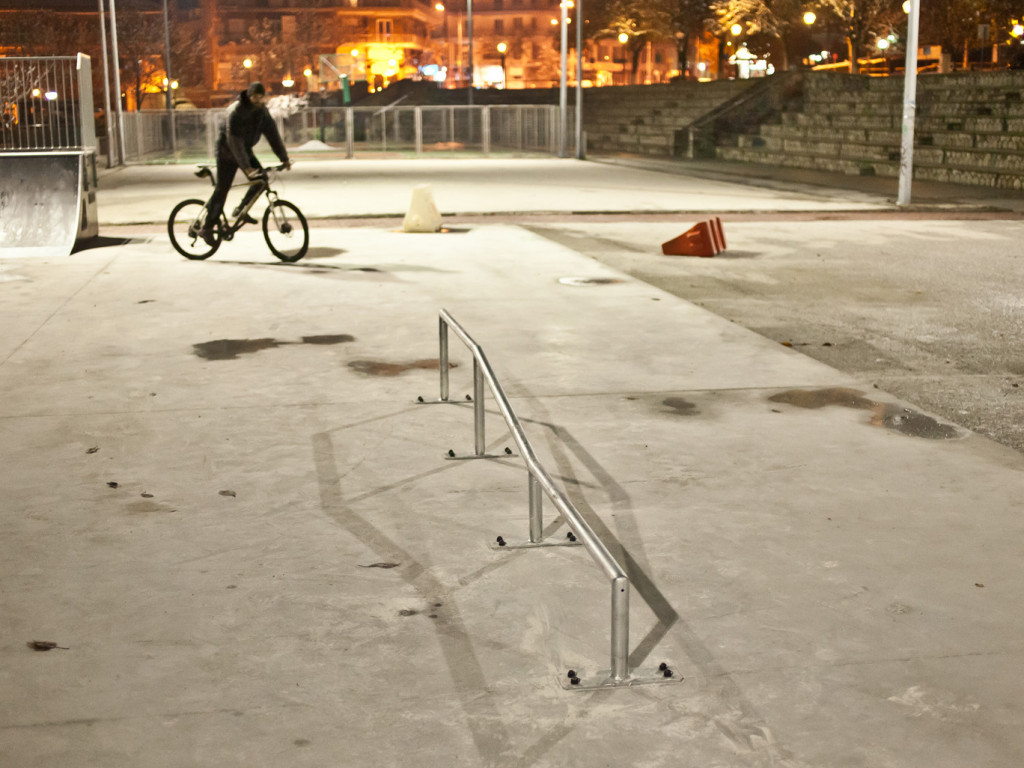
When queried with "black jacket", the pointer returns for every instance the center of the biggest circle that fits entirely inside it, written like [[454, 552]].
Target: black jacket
[[245, 125]]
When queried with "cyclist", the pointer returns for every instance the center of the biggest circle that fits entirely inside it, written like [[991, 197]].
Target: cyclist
[[247, 120]]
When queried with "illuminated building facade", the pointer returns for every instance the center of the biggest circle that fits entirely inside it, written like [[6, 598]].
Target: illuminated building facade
[[312, 46]]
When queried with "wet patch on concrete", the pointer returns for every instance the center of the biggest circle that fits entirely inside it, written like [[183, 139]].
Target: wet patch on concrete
[[585, 281], [231, 349], [148, 507], [906, 421], [382, 368], [680, 407]]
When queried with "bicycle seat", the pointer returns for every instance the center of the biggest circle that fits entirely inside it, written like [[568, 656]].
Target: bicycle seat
[[204, 172]]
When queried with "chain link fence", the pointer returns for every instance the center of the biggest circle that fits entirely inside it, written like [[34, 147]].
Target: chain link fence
[[358, 131]]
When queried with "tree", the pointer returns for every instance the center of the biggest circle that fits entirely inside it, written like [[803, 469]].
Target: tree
[[689, 19], [768, 19], [862, 22], [140, 37], [640, 20], [953, 24]]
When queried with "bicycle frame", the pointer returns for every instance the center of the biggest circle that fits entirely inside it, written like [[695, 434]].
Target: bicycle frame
[[227, 227]]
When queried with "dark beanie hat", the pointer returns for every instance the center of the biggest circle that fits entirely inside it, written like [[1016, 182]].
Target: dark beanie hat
[[255, 88]]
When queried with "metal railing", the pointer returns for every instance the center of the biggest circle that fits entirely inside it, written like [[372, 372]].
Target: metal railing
[[358, 131], [46, 103], [741, 113], [540, 480]]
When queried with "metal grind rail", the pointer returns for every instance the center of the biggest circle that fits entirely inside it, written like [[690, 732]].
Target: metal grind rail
[[540, 480]]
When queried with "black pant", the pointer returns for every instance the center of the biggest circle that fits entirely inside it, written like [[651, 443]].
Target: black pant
[[226, 170]]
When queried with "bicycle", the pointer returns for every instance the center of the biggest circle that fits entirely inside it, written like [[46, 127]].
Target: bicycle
[[284, 227]]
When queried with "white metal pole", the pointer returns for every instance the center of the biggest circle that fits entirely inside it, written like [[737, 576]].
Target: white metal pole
[[117, 82], [909, 106], [580, 149], [106, 88], [469, 34], [170, 88], [563, 101]]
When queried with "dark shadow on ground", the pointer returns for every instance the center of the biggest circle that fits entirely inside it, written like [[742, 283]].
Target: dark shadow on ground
[[99, 242]]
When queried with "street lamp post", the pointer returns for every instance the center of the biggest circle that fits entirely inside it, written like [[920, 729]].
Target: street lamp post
[[503, 49], [469, 34], [117, 82], [167, 70], [106, 89], [624, 38], [579, 80], [909, 105], [247, 64], [563, 99]]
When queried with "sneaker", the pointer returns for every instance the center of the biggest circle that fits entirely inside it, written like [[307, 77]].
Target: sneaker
[[208, 237], [246, 218]]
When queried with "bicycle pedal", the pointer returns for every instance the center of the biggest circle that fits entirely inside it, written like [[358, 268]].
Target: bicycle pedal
[[247, 219]]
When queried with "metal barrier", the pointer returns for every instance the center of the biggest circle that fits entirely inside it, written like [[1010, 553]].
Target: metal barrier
[[358, 131], [46, 103], [540, 480]]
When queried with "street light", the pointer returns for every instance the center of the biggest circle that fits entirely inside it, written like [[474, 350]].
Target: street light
[[503, 49], [247, 63], [736, 29], [624, 38], [809, 18]]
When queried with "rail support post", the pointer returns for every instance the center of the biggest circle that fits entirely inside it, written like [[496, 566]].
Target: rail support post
[[478, 407], [536, 511], [620, 629], [442, 362]]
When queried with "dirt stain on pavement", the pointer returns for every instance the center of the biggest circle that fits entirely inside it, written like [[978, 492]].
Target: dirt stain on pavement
[[906, 421], [680, 407], [382, 368], [231, 349]]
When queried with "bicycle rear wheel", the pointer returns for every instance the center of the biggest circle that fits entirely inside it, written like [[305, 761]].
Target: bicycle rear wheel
[[187, 218], [285, 230]]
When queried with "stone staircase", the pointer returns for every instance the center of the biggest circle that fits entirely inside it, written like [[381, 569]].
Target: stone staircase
[[969, 128], [645, 119]]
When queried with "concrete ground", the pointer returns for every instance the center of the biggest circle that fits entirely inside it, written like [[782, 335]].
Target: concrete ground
[[227, 507]]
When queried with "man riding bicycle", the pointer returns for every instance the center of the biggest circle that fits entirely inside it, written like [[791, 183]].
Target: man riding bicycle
[[248, 120]]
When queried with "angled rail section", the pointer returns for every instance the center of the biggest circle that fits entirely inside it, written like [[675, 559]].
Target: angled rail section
[[540, 482]]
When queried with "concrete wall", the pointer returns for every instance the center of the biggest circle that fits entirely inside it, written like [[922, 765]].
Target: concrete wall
[[969, 128]]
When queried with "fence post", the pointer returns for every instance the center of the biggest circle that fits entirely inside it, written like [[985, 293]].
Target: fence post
[[443, 357], [485, 129], [211, 131], [536, 511], [418, 125], [478, 408], [350, 133], [139, 138], [620, 629]]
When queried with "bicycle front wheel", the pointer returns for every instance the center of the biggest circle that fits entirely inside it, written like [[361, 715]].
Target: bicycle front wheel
[[183, 226], [286, 231]]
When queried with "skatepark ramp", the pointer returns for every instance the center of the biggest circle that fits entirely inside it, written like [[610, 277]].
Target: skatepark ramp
[[47, 155]]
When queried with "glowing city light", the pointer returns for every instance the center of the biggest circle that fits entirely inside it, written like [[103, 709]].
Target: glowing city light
[[809, 18], [736, 29]]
